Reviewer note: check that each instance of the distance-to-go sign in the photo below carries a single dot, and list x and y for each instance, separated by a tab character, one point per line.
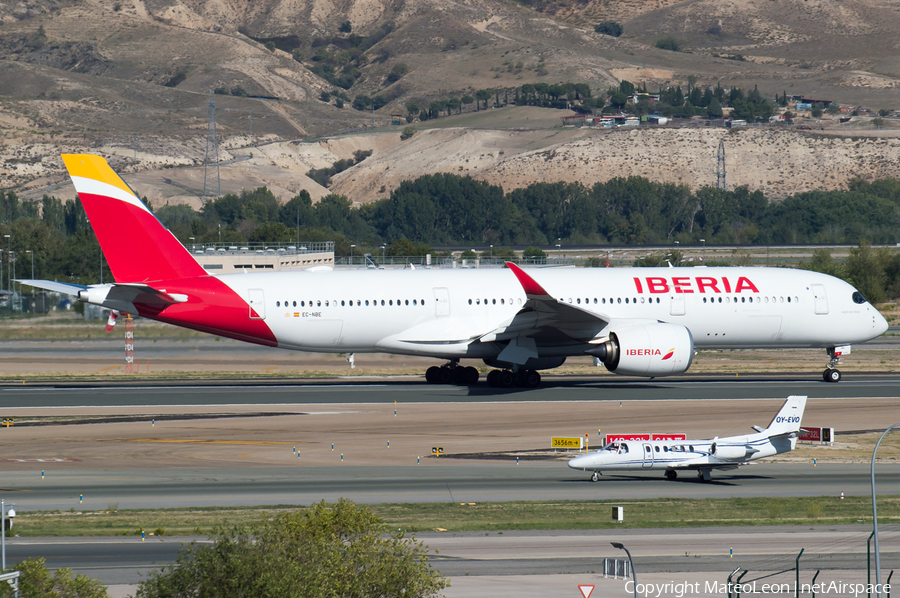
563	442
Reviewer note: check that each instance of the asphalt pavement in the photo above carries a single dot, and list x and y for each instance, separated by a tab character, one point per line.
355	391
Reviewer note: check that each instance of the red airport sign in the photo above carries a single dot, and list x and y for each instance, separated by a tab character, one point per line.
619	437
641	437
810	435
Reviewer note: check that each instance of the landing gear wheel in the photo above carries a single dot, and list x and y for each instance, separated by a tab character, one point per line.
531	379
595	476
506	379
671	474
471	376
433	374
446	375
493	378
459	376
831	375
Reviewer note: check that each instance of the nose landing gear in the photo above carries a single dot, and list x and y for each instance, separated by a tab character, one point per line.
831	373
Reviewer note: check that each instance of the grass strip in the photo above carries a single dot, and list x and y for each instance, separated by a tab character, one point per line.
488	516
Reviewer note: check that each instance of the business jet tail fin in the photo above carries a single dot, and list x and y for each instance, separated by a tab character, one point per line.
789	417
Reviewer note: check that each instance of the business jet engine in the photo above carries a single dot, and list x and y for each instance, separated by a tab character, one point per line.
652	350
731	452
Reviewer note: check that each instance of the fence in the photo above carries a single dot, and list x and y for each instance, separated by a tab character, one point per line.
616	568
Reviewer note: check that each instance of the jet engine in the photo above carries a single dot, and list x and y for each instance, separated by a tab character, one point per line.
731	453
652	350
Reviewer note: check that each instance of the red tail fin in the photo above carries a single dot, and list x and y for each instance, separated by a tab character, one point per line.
137	246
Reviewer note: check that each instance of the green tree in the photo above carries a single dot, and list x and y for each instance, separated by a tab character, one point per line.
345	27
483	95
466	100
36	581
398	72
534	253
816	111
865	270
328	550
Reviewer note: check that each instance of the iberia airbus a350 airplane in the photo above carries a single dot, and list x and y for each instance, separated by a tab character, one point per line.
635	321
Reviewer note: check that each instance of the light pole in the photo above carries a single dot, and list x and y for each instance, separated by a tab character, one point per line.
558	251
878	587
351	254
621	546
32	262
704	248
492	254
192	243
383	254
5	511
220	233
8	267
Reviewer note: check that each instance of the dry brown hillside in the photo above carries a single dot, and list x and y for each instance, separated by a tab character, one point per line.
131	78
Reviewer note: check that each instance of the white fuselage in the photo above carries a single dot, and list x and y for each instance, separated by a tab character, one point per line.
442	312
628	455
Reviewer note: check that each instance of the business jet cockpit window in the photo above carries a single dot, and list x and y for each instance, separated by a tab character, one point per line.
616	447
858	298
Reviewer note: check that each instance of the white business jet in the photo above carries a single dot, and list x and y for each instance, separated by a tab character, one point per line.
701	456
634	321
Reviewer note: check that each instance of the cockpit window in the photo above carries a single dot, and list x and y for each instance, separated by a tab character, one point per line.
858	298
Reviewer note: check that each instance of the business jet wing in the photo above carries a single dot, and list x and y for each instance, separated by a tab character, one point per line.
546	318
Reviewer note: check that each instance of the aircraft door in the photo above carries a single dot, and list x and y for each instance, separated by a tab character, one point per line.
820	299
676	306
648	455
442	302
257	301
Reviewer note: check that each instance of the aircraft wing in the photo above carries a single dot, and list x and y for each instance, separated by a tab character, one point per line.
546	319
52	285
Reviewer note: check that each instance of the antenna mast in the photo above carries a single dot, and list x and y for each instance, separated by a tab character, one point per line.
212	151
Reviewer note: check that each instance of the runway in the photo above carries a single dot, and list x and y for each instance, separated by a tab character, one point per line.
449	482
388	390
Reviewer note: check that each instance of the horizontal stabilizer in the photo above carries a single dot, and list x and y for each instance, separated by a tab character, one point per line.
52	285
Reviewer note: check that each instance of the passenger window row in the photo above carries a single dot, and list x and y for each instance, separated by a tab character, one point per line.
350	302
752	300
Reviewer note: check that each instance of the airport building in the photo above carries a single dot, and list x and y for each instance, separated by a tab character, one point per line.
223	258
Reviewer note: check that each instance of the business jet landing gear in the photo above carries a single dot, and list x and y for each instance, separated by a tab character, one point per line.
508	378
831	373
595	476
703	474
671	474
451	374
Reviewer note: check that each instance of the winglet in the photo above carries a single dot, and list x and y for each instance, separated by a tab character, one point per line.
530	285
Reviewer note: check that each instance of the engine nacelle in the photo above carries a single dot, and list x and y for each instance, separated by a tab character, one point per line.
533	363
731	453
647	350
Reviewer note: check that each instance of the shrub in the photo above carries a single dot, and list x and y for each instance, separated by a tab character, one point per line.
609	28
668	43
407	133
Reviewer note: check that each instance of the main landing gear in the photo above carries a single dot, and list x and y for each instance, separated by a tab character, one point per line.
671	474
508	378
831	373
452	373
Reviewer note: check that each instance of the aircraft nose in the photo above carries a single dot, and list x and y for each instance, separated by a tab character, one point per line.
581	462
881	325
